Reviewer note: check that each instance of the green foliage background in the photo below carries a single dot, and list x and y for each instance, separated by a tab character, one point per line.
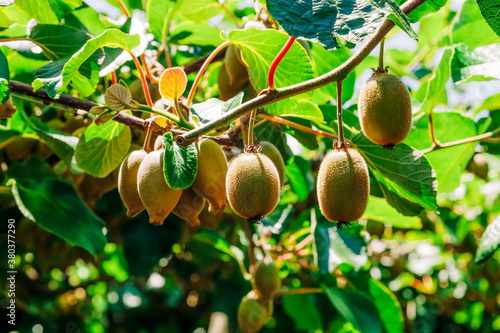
422	258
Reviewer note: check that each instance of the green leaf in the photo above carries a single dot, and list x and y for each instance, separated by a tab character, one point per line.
449	163
204	10
324	62
321	21
117	97
55	206
356	308
57	75
62	144
379	210
402	170
159	14
4	79
214	239
301	308
214	108
490	242
481	64
101	149
336	246
259	48
388	307
298	173
191	33
40	10
58	41
437	82
470	20
490	9
180	164
424	9
306	110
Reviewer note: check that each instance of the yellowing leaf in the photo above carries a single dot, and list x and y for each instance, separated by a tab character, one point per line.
161	121
173	83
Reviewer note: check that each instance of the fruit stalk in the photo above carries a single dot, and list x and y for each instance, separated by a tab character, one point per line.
276	62
342	144
302	128
202	70
381	55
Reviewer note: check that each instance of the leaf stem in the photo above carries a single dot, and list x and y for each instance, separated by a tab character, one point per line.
302	128
181	122
482	137
202	70
143	79
335	75
435	142
148	70
124	8
281	54
114	78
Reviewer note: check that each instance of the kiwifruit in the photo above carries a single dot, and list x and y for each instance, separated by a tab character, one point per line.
385	109
137	92
190	206
18	147
274	154
159	143
226	90
91	189
127	182
479	166
235	67
253	185
253	314
267	280
211	175
343	186
158	198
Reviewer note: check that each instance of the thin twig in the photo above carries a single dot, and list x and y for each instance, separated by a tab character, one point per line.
300	291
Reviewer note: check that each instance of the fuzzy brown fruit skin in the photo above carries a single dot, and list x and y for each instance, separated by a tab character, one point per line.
189	207
343	186
274	154
253	185
267	280
211	175
253	314
158	198
127	182
385	109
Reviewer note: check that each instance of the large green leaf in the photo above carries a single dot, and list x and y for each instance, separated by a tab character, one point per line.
259	48
193	33
379	210
55	206
424	9
388	307
449	163
159	14
481	64
298	173
4	79
204	9
180	163
58	41
490	9
40	10
336	246
402	170
101	149
436	84
302	309
490	242
321	20
214	239
62	144
471	28
58	74
356	308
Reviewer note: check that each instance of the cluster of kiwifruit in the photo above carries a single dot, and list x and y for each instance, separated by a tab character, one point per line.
142	185
257	306
251	183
